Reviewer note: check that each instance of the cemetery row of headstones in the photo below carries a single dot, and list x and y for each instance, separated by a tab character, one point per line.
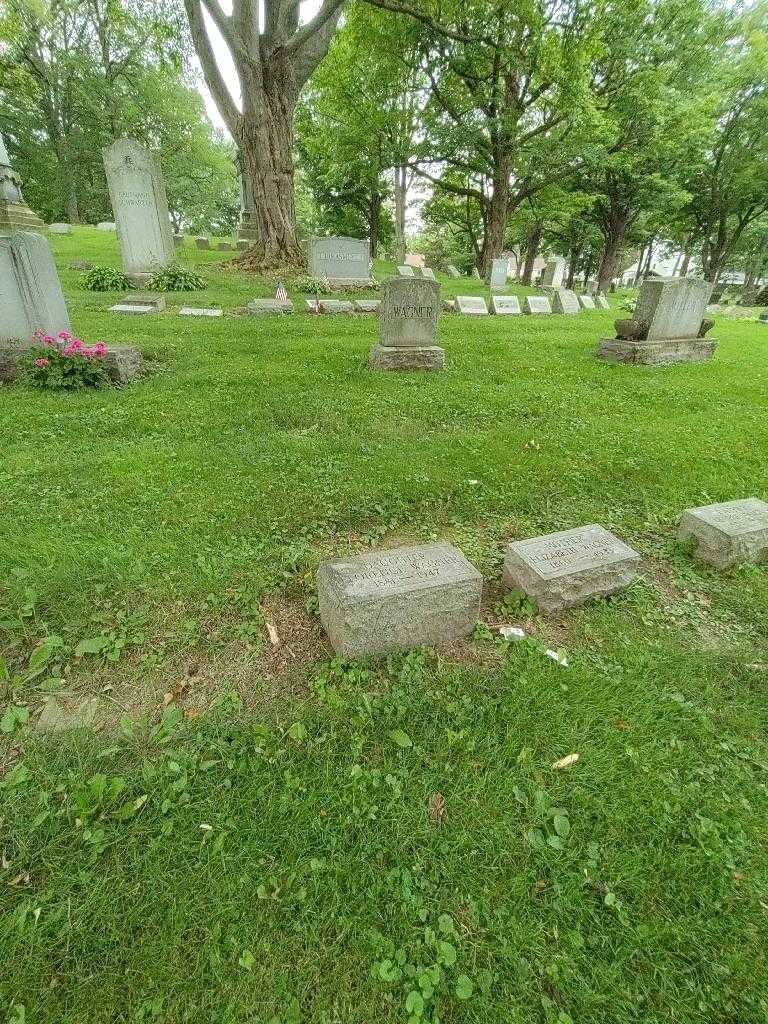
390	600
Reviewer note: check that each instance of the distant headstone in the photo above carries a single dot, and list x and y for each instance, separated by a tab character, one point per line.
565	301
552	276
132	307
199	311
31	298
666	326
141	208
60	229
366	305
156	301
561	570
408	318
763	318
587	302
453	271
405	271
428	273
535	304
471	305
202	242
728	533
270	306
15	215
225	246
334	306
340	259
476	274
505	305
393	600
106	225
499	273
601	301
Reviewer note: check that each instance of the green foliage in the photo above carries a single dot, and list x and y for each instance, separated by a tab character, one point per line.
313	285
175	278
105	279
50	368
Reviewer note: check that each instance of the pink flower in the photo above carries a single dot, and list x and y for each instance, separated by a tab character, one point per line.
99	349
48	339
76	342
65	335
42	362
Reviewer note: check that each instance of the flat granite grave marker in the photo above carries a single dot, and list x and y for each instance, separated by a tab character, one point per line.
157	302
199	311
335	306
505	305
667	325
140	206
132	307
587	302
729	532
405	271
366	305
408	318
499	273
565	301
106	225
565	569
393	600
535	304
471	305
270	306
428	273
340	258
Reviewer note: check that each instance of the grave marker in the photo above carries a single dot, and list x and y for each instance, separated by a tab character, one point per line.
106	225
202	242
199	311
428	273
275	306
405	271
505	305
471	305
334	306
499	273
728	533
565	301
340	258
565	569
587	302
453	271
15	215
31	298
552	275
60	229
408	318
601	301
393	600
366	305
535	304
141	208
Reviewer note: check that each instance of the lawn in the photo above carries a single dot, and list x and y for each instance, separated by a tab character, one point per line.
257	832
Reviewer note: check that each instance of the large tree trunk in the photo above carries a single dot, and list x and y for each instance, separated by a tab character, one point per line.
532	251
496	224
574	256
615	233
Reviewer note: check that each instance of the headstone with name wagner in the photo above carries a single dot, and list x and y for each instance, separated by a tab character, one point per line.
667	325
340	259
505	305
553	273
392	600
535	304
499	272
140	206
728	533
471	305
565	301
565	569
408	319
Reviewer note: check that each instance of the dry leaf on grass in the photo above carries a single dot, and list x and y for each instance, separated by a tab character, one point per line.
274	636
567	761
436	808
175	692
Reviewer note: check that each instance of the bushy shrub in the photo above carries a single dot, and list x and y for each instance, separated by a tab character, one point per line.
175	279
64	362
105	279
313	285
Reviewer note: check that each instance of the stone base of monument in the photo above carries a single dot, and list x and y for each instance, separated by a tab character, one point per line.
19	217
392	600
138	280
565	569
658	351
392	357
728	533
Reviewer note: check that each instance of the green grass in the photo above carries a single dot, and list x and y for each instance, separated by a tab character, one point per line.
170	521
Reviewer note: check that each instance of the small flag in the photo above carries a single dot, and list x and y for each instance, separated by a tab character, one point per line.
281	294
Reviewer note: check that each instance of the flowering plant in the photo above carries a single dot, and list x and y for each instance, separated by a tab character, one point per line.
64	362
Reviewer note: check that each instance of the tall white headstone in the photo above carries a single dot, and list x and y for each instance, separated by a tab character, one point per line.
553	273
141	208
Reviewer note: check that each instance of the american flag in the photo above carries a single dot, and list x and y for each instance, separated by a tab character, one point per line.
282	292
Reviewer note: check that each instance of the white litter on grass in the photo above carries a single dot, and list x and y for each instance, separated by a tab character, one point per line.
558	657
207	828
512	632
567	761
473	483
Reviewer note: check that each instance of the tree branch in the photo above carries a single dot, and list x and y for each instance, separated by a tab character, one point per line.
211	73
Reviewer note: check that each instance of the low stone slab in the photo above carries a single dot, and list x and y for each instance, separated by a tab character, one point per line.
366	305
202	242
397	357
429	273
405	271
565	569
657	352
601	301
124	363
335	306
729	532
199	311
536	304
270	306
60	229
564	301
132	307
386	601
587	302
157	302
106	225
505	305
471	305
